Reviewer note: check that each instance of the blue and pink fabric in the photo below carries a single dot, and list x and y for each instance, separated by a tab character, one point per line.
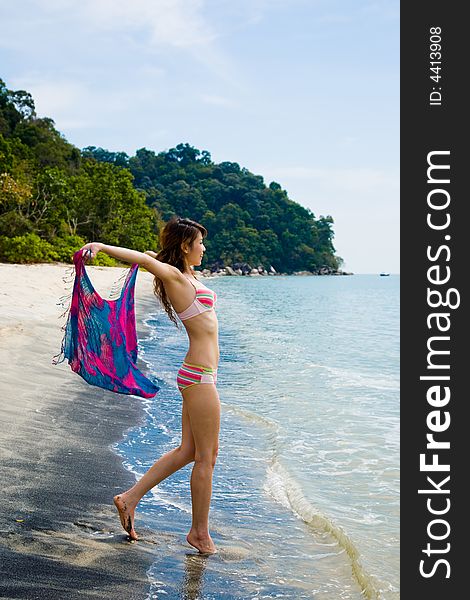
100	340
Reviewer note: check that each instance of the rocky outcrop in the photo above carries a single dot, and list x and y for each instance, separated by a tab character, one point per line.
244	269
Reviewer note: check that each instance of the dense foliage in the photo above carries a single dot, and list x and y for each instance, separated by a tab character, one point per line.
54	198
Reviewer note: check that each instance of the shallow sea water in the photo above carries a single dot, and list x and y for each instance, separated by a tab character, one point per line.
305	500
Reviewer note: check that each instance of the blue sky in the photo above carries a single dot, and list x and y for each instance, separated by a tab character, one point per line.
302	92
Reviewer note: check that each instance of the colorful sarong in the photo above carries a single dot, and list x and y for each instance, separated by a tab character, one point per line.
100	340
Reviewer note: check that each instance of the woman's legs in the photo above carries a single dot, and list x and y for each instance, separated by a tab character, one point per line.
203	406
166	465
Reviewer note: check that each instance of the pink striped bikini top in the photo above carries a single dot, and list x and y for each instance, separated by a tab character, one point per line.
204	300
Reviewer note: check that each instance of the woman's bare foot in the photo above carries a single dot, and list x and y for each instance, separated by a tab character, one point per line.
126	514
204	544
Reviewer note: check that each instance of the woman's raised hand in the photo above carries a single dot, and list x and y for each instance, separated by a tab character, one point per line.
89	251
151	253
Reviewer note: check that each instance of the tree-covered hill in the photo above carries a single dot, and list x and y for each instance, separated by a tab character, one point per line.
54	198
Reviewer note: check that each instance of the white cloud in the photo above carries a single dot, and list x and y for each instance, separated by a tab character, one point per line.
77	105
170	22
55	97
104	28
124	74
256	10
178	23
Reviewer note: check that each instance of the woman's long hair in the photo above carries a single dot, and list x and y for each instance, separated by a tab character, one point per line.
176	232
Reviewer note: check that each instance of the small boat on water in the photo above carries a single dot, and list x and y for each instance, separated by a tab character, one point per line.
384	274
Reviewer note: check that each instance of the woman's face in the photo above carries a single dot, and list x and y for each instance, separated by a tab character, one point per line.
196	252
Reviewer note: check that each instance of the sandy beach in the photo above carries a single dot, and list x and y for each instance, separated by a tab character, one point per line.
283	525
61	536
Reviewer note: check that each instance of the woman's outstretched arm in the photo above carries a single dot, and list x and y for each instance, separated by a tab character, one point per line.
156	267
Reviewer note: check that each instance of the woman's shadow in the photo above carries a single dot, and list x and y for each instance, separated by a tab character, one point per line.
193	582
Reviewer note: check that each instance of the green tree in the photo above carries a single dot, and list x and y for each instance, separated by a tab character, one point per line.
53	197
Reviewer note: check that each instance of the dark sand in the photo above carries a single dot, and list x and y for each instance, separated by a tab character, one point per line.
61	534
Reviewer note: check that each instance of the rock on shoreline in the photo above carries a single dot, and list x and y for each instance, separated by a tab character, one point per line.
244	269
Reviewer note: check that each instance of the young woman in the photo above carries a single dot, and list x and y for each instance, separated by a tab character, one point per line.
180	292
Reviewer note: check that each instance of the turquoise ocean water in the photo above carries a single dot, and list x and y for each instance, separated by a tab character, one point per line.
305	500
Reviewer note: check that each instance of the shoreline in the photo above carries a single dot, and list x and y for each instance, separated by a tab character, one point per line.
61	534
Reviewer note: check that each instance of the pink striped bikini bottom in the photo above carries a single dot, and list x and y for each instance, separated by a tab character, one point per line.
191	374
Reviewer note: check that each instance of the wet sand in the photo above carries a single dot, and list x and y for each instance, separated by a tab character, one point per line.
60	533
